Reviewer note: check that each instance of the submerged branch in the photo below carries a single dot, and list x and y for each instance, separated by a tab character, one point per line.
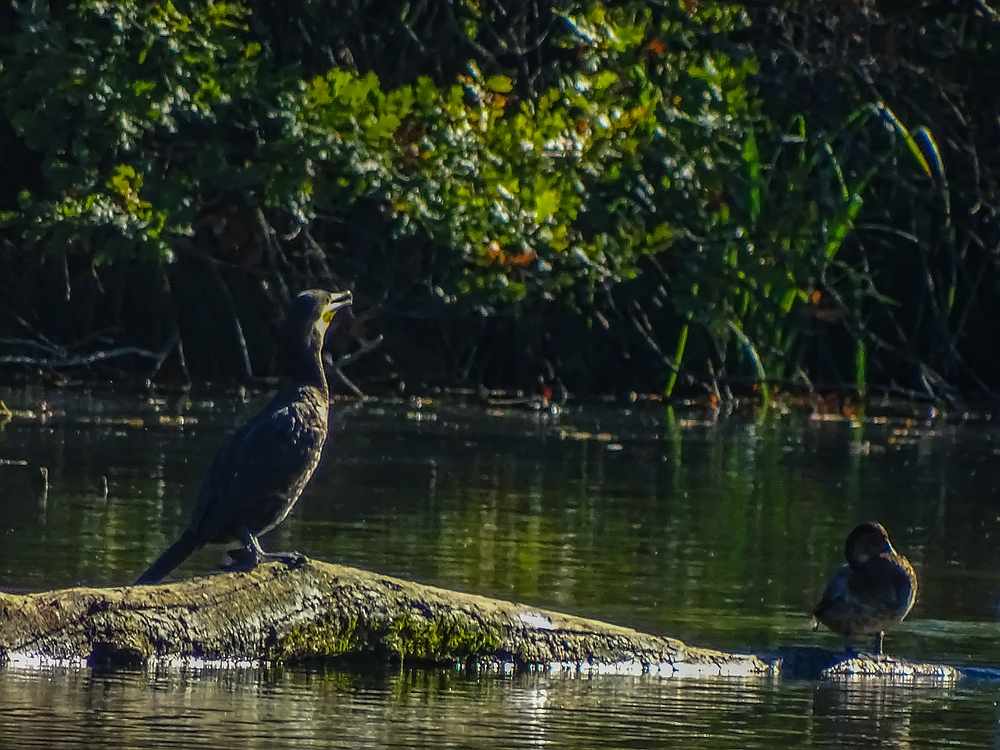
323	611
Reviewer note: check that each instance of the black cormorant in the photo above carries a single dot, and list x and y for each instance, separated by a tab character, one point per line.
255	479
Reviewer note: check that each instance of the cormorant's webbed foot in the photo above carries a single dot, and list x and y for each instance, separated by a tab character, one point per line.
291	559
251	555
243	559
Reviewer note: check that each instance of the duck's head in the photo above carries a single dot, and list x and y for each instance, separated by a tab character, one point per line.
866	541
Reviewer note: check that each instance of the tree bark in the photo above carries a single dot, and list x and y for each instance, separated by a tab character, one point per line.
319	611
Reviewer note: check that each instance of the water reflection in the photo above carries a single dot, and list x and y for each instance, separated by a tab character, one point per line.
264	709
871	710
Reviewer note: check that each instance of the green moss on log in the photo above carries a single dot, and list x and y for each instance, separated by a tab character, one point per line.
449	638
323	637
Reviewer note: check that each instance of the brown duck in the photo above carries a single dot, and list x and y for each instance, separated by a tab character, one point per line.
873	592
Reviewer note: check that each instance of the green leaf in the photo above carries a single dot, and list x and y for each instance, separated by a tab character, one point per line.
604	79
546	204
500	84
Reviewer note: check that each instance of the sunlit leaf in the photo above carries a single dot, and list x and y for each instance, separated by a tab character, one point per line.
500	83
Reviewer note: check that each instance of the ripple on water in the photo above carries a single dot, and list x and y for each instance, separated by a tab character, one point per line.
419	709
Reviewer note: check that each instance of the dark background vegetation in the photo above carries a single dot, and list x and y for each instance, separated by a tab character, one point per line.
691	197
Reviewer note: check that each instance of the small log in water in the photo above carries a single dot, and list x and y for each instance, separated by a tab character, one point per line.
323	611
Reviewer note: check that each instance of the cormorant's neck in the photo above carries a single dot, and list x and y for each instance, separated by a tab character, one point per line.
306	366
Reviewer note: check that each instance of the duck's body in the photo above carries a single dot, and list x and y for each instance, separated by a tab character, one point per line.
873	592
256	478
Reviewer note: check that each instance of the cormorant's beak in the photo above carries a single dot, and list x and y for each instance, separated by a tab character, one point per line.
337	301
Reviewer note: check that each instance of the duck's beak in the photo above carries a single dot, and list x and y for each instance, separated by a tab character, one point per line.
337	301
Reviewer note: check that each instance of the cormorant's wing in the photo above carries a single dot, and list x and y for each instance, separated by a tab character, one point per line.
261	471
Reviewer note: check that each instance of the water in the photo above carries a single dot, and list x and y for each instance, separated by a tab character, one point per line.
721	533
445	710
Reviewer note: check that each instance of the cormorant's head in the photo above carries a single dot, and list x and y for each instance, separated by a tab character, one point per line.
866	541
313	310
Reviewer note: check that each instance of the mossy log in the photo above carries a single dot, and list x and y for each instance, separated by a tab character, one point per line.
319	611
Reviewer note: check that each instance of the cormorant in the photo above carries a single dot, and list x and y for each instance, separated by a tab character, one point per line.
873	592
255	479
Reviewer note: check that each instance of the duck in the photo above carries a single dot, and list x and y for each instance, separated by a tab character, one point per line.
873	592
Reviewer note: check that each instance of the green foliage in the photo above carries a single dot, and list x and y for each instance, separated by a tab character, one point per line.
559	195
629	172
919	273
113	96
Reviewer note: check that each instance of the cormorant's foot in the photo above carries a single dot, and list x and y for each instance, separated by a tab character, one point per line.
247	558
291	559
243	559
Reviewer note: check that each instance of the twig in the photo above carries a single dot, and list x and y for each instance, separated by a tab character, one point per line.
39	336
248	368
31	343
365	348
645	329
176	338
278	260
317	250
173	341
347	381
77	361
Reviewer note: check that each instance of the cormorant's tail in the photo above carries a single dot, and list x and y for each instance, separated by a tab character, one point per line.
175	554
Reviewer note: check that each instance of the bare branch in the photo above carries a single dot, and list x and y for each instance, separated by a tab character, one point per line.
55	363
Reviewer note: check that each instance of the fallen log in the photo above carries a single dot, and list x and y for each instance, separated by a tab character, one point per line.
319	611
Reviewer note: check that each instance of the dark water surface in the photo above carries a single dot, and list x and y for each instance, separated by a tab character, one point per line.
720	532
